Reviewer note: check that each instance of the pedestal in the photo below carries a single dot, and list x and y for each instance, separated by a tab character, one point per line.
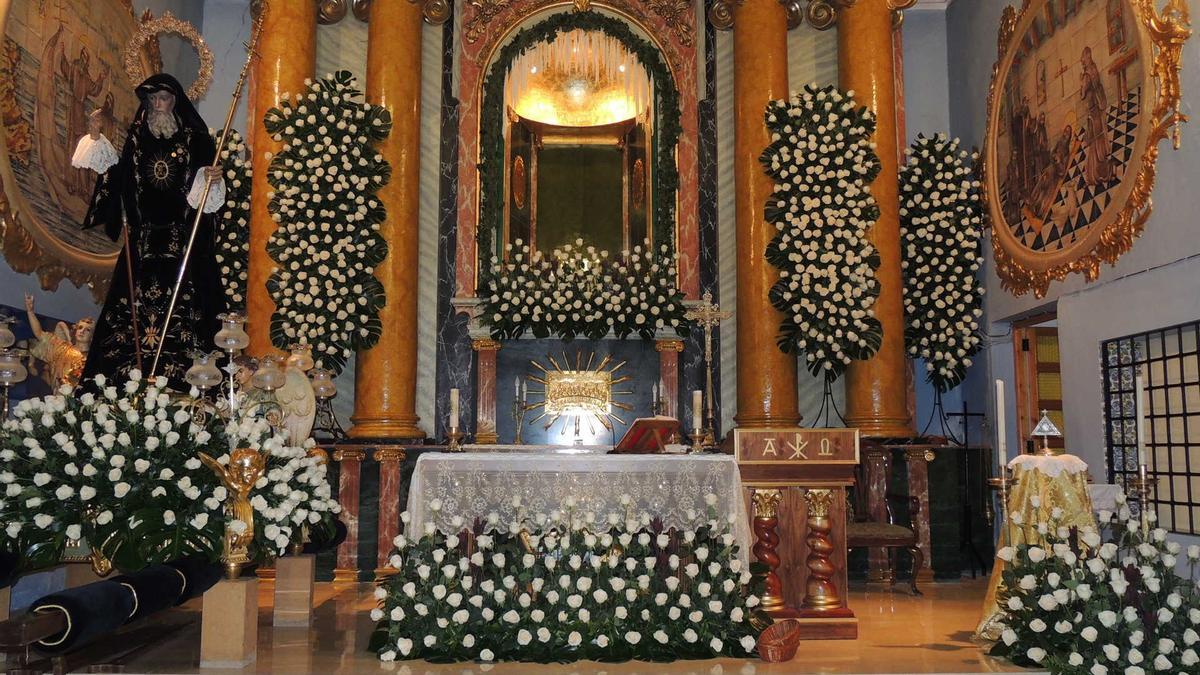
918	460
389	507
294	577
349	475
229	624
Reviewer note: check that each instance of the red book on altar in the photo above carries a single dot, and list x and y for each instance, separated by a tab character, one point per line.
648	435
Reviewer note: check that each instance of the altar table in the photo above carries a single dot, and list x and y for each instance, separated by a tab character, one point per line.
473	485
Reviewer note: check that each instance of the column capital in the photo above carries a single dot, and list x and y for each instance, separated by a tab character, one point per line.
766	502
820	14
485	345
390	454
348	455
668	345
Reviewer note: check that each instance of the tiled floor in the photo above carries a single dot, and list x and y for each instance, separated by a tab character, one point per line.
899	633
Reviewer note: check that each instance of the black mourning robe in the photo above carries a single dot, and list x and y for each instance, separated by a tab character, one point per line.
150	184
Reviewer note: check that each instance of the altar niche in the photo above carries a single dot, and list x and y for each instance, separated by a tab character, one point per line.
577	134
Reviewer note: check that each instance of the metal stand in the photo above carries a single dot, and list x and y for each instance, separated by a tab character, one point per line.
939	414
326	422
823	420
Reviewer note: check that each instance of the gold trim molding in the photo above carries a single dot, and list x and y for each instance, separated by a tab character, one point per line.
1022	270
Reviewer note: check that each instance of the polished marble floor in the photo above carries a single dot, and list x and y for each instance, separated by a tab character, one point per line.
899	633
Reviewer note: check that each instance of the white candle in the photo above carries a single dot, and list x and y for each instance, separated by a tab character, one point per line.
654	396
453	410
697	407
517	387
1140	387
1001	431
524	392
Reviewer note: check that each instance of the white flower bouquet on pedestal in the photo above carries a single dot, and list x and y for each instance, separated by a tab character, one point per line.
327	244
823	160
941	221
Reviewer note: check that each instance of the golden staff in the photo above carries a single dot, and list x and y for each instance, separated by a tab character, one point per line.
251	46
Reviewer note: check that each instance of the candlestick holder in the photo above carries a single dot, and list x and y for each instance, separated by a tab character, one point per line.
1004	483
697	442
709	439
1142	487
454	440
518	415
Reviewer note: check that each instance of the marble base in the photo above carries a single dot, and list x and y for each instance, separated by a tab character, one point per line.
229	624
294	578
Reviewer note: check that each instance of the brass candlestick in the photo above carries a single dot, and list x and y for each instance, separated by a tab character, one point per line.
454	438
518	415
1141	487
1003	483
697	442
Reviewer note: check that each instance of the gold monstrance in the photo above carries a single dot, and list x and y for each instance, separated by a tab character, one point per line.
578	395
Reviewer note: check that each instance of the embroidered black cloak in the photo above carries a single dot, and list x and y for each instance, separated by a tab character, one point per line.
150	184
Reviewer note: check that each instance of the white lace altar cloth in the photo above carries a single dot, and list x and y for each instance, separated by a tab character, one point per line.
472	485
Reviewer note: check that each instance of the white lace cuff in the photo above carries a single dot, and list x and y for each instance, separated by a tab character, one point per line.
216	194
96	154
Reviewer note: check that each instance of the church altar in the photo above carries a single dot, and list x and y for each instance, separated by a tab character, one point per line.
670	487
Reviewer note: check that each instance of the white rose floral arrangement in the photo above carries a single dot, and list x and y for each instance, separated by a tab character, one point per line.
823	161
941	223
567	586
1098	603
327	243
119	468
232	231
579	291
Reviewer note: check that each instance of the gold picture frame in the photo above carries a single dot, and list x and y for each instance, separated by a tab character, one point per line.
51	52
1068	177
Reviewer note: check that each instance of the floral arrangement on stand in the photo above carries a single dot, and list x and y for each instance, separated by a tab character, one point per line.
823	160
567	586
328	243
233	221
1082	605
119	468
941	225
579	291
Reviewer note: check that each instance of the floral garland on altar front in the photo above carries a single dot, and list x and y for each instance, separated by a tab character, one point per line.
567	586
491	133
941	222
823	161
328	243
233	221
578	291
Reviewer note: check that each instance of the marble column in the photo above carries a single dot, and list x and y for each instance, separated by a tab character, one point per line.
877	389
879	478
389	459
486	349
918	460
766	376
287	56
349	479
385	382
668	375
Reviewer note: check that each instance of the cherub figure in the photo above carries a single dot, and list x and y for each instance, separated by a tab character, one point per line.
245	467
62	352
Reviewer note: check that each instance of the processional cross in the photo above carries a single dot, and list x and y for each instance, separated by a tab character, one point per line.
709	315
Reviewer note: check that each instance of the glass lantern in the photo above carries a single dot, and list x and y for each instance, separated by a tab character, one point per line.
7	339
12	371
322	383
204	373
232	337
301	358
269	375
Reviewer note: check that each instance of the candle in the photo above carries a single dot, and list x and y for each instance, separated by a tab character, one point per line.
1001	431
524	392
1140	387
697	406
1142	473
453	410
517	387
654	397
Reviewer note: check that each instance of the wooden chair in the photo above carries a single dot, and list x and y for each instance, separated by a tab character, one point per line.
863	532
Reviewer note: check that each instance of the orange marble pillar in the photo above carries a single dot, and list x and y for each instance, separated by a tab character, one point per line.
287	56
385	378
766	376
877	389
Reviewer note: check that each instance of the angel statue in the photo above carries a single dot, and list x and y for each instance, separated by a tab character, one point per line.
296	396
62	352
245	467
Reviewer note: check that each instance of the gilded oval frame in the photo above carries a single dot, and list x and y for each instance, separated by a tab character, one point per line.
29	244
1022	269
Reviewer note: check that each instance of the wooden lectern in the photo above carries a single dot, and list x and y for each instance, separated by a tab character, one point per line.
797	481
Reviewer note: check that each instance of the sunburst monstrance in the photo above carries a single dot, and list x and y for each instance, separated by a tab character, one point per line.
578	396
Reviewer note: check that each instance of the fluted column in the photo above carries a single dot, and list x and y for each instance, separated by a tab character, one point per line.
766	376
876	390
385	383
287	56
